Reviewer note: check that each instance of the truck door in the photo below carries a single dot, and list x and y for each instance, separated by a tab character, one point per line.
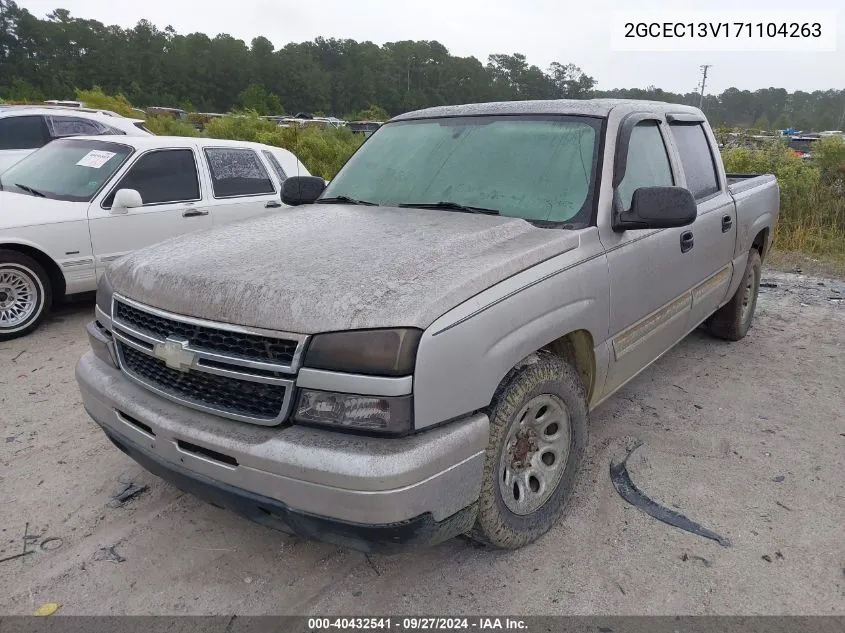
714	229
651	270
169	185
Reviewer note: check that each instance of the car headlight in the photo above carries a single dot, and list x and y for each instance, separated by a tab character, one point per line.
387	352
388	415
104	296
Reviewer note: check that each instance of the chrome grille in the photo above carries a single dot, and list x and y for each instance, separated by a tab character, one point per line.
225	395
235	372
227	342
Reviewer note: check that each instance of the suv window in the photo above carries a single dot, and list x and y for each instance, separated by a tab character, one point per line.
648	162
22	132
73	126
168	175
237	172
697	159
274	163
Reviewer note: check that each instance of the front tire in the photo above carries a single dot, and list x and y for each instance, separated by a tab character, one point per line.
733	320
25	294
538	433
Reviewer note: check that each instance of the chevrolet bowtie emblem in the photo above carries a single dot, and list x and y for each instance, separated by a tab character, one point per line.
173	351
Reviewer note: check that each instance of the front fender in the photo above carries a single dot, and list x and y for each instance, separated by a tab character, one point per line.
465	354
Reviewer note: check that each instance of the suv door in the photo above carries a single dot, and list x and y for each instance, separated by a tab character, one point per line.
651	270
715	226
20	136
169	184
240	184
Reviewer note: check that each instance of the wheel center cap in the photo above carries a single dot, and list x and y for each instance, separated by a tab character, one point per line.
4	297
523	451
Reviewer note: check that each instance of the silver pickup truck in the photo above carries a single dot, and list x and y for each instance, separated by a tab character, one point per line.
412	352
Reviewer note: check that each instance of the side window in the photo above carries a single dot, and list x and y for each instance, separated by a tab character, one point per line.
274	163
237	172
22	132
72	126
108	129
648	163
162	176
697	159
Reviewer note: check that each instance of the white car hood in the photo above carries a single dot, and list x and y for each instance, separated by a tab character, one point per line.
21	209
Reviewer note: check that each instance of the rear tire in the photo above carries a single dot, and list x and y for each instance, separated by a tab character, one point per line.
538	433
25	294
733	320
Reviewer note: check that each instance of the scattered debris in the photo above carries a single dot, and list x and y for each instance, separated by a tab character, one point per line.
703	560
778	555
768	284
778	479
785	507
633	495
621	589
766	558
126	492
372	564
51	543
47	609
108	554
681	388
14	556
15	359
248	580
698	406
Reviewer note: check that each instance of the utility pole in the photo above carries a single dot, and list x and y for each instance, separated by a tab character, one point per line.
704	69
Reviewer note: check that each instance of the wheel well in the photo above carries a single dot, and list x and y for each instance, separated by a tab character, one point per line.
576	348
761	242
57	279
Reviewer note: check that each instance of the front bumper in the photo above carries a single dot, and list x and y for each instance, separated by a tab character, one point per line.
367	493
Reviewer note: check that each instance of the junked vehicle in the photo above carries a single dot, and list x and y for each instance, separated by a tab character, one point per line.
77	204
23	129
412	353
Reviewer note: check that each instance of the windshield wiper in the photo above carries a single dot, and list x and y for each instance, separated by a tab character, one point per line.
28	189
344	200
451	206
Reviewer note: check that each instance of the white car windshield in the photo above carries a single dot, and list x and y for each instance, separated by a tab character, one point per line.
539	168
67	169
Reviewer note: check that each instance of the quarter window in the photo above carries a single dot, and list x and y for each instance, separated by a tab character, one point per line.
237	172
648	163
22	132
162	176
72	126
275	165
696	158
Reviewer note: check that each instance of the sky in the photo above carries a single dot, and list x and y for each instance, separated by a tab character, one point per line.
543	30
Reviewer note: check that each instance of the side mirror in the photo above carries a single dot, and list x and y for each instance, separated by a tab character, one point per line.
657	208
126	199
302	190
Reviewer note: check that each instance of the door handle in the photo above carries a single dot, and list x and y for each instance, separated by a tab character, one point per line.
727	223
273	204
687	241
193	213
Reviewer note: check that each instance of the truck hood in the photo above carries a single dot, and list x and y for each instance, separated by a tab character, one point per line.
322	268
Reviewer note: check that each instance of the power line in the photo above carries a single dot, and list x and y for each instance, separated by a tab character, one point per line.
704	69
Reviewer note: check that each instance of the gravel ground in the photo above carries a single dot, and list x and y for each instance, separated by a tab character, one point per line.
745	438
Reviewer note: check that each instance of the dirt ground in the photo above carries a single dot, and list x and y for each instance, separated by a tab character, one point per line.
746	438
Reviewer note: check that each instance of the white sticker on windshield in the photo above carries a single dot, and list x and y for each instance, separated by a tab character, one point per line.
95	158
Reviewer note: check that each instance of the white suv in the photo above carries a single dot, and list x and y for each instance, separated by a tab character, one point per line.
23	129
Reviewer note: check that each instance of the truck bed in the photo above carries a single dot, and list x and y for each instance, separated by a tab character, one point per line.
738	183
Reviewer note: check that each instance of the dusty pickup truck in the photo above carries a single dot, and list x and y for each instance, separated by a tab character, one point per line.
412	352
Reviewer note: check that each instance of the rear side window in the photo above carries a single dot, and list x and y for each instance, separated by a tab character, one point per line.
72	126
275	165
237	172
162	176
696	158
648	163
22	132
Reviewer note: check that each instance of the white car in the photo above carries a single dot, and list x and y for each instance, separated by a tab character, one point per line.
23	129
76	204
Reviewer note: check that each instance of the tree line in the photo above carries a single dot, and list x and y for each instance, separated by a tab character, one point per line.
50	58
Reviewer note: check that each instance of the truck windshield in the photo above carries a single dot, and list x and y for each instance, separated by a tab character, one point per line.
68	169
541	169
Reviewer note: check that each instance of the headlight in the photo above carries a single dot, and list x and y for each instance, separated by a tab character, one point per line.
104	295
388	352
365	413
